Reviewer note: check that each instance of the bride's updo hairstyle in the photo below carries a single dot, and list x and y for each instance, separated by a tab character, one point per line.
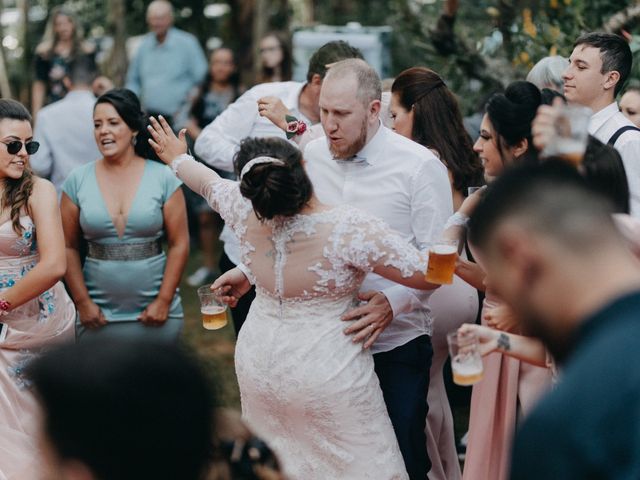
275	188
511	114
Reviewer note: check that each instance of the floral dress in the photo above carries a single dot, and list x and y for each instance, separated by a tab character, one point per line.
41	322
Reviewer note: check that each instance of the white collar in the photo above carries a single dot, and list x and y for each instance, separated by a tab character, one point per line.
600	118
375	145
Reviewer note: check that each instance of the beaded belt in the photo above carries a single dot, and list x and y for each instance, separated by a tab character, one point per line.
124	251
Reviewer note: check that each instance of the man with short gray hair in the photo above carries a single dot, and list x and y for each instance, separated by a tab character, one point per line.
167	65
366	165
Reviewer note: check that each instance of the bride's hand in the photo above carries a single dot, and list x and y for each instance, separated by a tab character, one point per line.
165	143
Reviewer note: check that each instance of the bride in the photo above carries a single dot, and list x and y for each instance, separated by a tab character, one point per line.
306	387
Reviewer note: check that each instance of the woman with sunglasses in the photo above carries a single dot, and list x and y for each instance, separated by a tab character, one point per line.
35	310
122	206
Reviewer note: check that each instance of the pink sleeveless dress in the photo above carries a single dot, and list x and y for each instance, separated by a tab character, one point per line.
507	392
42	321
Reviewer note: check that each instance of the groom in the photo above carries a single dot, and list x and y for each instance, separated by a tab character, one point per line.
364	164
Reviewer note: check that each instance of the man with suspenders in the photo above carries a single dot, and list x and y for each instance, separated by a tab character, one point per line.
598	69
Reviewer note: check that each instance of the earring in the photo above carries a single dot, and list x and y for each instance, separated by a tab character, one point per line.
134	140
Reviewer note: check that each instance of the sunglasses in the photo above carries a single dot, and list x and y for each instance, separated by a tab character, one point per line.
15	146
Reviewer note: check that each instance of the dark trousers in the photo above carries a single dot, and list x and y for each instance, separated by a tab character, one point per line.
239	313
404	378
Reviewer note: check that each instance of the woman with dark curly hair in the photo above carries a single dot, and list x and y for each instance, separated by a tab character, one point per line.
35	310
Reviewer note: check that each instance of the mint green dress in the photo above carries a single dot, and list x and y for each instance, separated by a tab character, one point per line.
122	289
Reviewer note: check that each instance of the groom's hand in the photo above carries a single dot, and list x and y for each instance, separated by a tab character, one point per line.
371	319
231	286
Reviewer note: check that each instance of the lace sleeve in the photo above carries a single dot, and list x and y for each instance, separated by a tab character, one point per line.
222	195
368	243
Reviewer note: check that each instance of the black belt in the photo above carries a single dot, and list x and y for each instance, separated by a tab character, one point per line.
124	251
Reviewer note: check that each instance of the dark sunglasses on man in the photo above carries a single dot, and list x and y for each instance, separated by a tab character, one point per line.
16	145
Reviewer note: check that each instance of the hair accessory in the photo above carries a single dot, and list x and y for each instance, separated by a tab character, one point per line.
440	82
257	161
4	307
294	126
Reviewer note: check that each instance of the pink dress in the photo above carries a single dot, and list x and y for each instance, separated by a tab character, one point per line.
451	306
507	392
40	322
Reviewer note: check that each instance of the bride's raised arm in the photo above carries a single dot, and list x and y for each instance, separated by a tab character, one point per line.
172	150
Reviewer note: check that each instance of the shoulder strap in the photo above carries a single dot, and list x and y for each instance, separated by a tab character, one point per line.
614	138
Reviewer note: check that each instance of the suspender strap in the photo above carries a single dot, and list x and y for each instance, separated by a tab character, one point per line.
612	141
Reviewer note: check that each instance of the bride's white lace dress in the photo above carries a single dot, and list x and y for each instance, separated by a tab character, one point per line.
306	388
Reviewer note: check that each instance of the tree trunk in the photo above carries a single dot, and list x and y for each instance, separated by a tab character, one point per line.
240	36
303	12
260	28
116	65
5	86
25	61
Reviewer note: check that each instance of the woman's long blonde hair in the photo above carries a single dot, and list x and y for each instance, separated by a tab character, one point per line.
50	38
16	191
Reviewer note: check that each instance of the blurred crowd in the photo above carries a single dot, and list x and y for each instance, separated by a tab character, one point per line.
330	196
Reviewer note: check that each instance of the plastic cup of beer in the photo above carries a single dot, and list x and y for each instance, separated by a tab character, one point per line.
570	134
466	361
214	312
442	262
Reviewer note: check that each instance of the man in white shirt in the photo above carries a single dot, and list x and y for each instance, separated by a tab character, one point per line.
364	164
220	140
65	128
598	69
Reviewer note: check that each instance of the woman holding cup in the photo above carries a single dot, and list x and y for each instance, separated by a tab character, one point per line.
426	111
509	388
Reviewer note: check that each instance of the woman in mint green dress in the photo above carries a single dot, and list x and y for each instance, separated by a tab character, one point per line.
122	205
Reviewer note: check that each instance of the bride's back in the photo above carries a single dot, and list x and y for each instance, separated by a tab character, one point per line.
309	254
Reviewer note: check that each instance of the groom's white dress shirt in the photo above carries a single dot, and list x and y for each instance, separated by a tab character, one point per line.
219	141
405	185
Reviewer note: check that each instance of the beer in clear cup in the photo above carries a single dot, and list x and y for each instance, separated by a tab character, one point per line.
466	361
214	312
442	262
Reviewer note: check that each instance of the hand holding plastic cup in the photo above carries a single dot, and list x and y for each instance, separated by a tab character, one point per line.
569	135
442	262
214	312
466	361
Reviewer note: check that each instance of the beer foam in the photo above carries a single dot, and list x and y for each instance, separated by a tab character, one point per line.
467	368
212	309
444	249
